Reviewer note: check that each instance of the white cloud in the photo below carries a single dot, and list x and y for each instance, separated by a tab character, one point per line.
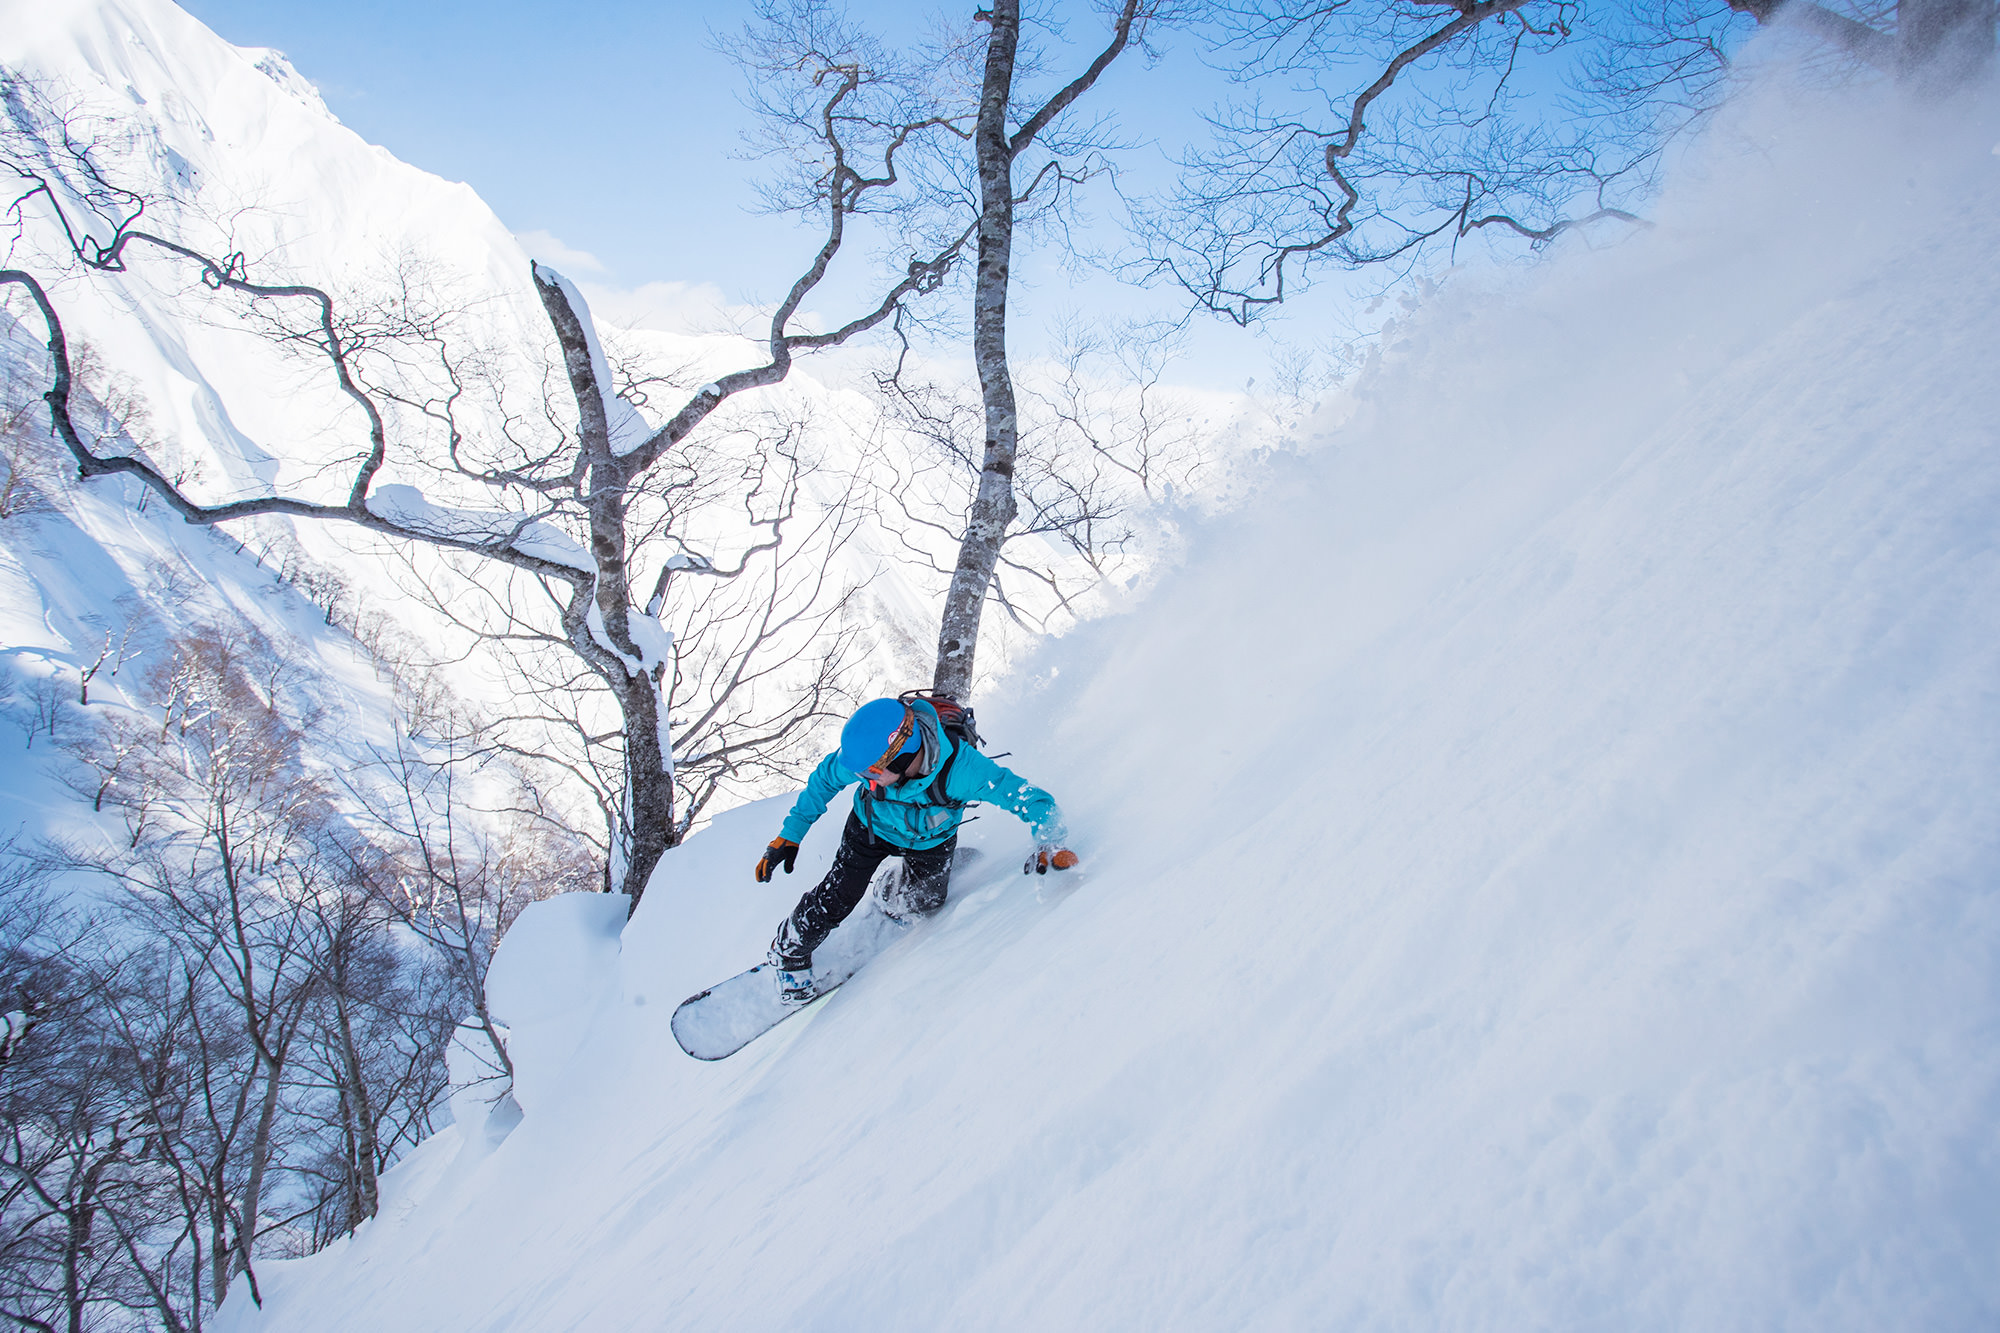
549	249
674	307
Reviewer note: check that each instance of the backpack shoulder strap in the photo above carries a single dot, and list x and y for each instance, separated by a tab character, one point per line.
936	793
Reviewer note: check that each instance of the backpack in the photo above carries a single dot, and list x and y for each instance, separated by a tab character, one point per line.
956	721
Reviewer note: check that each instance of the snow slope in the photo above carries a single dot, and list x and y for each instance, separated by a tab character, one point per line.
1541	870
98	575
255	163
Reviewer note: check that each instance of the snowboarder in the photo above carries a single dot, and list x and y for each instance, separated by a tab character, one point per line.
919	780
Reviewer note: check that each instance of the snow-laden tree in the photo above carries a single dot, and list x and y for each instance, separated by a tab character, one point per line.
564	498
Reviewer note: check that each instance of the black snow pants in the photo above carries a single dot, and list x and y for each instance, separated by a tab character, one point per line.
926	879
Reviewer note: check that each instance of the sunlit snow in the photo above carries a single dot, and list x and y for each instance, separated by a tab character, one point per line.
1540	863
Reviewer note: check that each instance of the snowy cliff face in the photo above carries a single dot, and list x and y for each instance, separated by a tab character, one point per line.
1541	868
243	143
239	140
236	141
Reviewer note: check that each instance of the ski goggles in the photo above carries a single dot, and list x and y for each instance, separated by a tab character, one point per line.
894	766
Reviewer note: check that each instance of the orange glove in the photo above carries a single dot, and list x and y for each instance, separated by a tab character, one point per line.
782	851
1062	858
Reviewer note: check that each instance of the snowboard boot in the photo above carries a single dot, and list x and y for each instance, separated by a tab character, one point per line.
794	969
904	898
795	985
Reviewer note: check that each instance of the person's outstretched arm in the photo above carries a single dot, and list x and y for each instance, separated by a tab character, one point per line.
974	777
825	783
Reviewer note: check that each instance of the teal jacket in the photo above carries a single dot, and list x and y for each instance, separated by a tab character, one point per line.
905	815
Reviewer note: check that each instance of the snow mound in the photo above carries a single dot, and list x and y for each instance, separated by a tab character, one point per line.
1540	869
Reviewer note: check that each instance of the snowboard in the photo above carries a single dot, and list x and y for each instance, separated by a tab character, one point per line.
731	1014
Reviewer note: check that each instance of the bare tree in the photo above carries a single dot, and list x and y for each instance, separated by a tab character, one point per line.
1002	135
1103	444
43	704
29	470
1108	402
229	863
285	1050
31	460
1025	159
453	871
552	499
54	1144
1374	133
274	1048
163	1012
372	1072
762	643
121	645
92	1233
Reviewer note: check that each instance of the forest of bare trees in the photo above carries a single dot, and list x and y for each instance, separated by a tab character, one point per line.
227	1007
223	1026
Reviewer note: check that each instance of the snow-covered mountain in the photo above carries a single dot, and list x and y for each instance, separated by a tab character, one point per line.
247	144
1540	869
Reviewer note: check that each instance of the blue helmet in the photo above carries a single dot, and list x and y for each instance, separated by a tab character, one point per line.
880	730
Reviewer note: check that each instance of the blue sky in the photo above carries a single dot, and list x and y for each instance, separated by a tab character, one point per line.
606	124
610	126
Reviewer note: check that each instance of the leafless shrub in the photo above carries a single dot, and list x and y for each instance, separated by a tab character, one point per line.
297	1049
41	702
1105	446
30	464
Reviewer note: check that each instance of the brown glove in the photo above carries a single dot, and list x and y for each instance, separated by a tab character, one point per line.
782	851
1062	858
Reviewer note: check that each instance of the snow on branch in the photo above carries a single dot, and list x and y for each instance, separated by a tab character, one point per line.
488	529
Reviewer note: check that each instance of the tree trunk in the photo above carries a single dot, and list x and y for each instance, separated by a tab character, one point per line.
76	1241
253	1186
1946	44
616	657
649	778
993	503
361	1112
220	1248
